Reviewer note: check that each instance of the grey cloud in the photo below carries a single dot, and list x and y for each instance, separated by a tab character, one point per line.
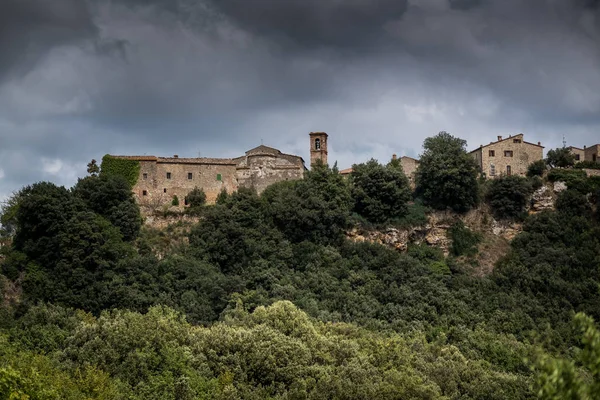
29	28
316	23
216	76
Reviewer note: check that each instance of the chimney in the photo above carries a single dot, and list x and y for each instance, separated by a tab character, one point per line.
175	156
539	143
584	146
499	138
394	157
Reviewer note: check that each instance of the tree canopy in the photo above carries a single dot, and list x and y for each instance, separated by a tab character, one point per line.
447	175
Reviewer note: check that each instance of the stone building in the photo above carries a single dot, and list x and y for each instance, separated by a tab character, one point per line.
318	147
263	166
163	178
507	156
409	165
588	153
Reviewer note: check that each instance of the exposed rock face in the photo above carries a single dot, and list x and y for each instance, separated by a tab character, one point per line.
506	230
542	199
559	187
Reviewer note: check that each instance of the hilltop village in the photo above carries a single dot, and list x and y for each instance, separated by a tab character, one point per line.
163	178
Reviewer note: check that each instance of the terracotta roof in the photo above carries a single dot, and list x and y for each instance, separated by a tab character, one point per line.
137	158
263	149
178	160
200	160
508	138
416	159
346	171
573	147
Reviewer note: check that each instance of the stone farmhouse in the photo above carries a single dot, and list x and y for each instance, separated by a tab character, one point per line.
507	156
409	165
588	153
162	178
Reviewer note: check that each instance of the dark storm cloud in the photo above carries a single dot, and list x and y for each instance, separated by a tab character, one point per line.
29	28
79	79
316	23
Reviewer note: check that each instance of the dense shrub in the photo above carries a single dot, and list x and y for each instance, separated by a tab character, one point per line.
196	198
380	193
447	175
560	158
587	165
536	168
464	240
508	196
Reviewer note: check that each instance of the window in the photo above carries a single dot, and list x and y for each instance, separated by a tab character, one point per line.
508	153
317	144
165	190
492	170
185	200
145	176
594	157
508	170
492	153
190	176
168	175
516	140
144	193
219	177
577	157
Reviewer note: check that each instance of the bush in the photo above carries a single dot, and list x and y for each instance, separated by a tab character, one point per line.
560	158
464	241
175	201
380	192
573	203
587	165
508	196
536	168
196	198
574	179
447	175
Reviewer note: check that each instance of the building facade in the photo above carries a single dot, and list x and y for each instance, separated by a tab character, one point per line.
161	179
263	166
318	147
588	153
507	156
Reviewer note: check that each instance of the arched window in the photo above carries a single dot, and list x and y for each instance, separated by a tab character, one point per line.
317	144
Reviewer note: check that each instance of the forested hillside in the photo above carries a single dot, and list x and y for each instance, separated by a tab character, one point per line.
265	297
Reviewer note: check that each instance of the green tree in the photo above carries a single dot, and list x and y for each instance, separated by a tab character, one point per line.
560	158
111	197
508	196
92	168
316	208
196	198
447	175
536	168
559	379
380	193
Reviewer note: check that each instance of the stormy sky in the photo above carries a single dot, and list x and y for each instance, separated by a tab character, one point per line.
214	78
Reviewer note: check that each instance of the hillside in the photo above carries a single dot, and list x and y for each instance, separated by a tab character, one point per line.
323	288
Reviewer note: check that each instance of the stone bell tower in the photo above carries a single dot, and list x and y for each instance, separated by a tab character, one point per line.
318	147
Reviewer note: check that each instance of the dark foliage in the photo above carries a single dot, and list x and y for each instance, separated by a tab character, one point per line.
464	241
380	193
508	196
196	198
447	175
536	168
560	158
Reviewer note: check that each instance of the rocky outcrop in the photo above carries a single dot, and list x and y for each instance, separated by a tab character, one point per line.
542	199
559	187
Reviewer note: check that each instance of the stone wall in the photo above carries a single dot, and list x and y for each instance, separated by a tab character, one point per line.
592	172
592	153
261	170
156	188
523	154
409	165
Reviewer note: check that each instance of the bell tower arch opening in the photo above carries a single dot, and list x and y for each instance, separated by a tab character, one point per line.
318	147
